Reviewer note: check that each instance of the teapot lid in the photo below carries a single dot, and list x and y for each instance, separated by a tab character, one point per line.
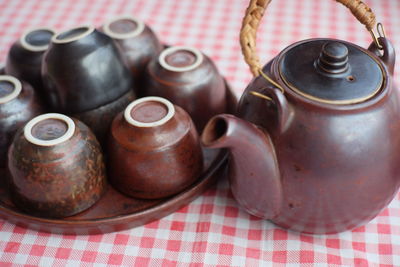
331	71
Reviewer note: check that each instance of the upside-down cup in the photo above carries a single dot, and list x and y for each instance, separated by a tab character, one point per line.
18	104
189	79
154	149
56	167
82	70
86	77
24	60
138	42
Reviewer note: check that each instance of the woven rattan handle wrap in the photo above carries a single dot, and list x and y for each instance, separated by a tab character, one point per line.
255	12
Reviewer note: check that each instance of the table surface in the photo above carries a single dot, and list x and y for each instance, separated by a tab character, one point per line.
212	230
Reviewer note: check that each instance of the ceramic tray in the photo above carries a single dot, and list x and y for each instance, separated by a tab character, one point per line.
115	211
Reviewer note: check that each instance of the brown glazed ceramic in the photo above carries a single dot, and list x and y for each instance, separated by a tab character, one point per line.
99	120
321	168
56	167
316	149
138	42
154	149
83	69
24	59
189	79
18	104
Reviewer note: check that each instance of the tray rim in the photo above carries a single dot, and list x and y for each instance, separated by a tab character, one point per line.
162	209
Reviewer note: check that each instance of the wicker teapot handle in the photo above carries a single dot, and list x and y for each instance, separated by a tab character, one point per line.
255	12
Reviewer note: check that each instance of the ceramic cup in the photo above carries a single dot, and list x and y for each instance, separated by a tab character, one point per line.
18	104
93	83
83	70
189	79
138	42
56	167
24	59
154	149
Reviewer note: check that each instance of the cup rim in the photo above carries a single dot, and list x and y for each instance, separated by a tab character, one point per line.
57	116
89	30
139	29
35	48
172	49
17	88
165	119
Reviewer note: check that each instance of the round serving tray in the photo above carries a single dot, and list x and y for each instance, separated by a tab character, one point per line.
115	211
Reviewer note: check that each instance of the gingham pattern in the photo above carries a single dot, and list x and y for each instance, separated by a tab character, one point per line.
211	230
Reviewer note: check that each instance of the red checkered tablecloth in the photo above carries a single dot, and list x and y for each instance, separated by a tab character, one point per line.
212	230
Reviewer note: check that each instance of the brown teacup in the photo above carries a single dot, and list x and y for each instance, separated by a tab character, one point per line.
189	79
138	42
24	59
154	149
56	167
18	104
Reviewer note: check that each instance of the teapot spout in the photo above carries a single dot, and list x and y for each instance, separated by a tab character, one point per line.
253	169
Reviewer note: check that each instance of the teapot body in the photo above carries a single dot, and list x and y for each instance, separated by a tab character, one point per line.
339	164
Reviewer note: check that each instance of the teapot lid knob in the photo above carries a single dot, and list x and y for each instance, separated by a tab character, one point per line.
333	59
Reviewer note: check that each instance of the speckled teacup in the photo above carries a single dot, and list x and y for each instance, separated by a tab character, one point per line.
56	167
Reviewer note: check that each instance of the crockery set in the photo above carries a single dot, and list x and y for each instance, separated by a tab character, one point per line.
119	115
313	143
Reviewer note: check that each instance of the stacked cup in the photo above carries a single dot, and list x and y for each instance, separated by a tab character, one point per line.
84	76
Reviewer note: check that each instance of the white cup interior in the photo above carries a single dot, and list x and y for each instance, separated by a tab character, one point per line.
164	111
162	59
37	39
50	135
71	35
10	88
127	31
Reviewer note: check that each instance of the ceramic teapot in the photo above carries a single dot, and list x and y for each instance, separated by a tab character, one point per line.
315	146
